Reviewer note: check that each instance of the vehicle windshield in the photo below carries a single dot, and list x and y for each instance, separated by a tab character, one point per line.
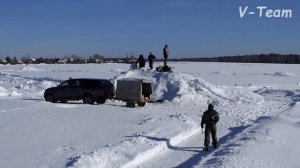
64	84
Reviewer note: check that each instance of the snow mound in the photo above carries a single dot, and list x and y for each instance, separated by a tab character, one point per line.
14	93
3	91
181	87
224	73
284	73
29	69
281	74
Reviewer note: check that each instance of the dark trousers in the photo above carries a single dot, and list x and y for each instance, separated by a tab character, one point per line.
165	60
151	64
210	130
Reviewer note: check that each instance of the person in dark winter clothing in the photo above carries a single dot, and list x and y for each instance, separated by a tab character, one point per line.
210	118
151	57
166	54
141	61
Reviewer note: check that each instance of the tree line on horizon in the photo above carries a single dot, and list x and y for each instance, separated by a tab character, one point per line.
260	58
96	58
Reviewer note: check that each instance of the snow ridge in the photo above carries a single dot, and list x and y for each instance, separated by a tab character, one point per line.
175	88
179	87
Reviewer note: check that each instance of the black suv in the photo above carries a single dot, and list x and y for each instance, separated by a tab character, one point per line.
89	90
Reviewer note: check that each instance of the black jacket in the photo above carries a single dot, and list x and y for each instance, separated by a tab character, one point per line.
210	117
141	62
151	57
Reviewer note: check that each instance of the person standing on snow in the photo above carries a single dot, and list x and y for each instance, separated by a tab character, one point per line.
166	55
210	118
151	57
141	61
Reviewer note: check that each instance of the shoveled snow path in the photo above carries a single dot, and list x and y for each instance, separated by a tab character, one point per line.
190	152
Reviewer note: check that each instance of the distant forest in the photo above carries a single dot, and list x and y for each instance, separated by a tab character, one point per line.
261	58
96	58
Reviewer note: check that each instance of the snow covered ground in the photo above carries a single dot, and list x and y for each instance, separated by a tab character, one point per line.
258	105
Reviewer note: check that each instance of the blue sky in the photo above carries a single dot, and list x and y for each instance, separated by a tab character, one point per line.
114	28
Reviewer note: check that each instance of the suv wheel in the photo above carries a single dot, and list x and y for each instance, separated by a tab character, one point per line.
141	103
88	99
101	100
50	98
130	104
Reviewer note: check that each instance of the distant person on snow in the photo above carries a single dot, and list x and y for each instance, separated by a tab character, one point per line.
166	55
141	61
151	57
210	118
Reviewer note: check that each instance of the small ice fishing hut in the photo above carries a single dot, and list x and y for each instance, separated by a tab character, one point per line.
134	90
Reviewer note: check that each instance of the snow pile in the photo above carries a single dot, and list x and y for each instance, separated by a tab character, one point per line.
174	87
260	112
181	87
3	91
281	74
17	85
7	93
225	73
29	69
284	73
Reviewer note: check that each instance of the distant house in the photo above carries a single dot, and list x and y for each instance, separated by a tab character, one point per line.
109	61
92	60
99	61
129	59
3	61
63	61
19	61
29	60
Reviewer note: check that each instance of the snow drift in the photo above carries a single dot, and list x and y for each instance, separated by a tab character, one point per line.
178	87
173	88
164	134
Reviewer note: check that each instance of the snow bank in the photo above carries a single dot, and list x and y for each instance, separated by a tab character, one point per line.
276	134
29	69
224	73
139	148
181	87
7	93
3	91
280	74
173	87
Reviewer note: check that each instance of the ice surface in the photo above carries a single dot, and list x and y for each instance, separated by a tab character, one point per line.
258	105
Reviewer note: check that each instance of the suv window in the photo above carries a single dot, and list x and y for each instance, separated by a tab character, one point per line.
70	83
90	83
105	83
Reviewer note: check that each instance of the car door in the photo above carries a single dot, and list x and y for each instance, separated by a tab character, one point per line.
63	90
72	91
76	89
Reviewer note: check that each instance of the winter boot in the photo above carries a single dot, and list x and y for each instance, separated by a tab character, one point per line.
215	145
205	148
